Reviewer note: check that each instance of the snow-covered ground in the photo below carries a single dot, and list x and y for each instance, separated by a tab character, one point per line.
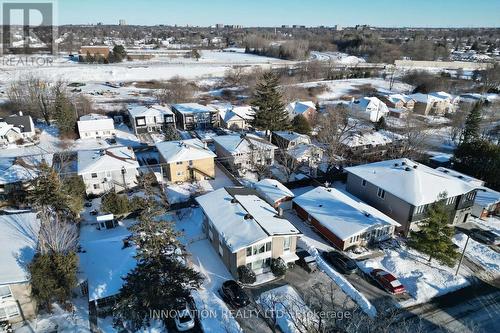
204	259
422	280
486	256
211	63
337	58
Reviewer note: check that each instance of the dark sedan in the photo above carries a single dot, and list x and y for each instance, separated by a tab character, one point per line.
340	261
233	294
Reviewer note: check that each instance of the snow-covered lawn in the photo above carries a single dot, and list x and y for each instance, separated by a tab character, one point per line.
483	254
422	280
288	308
492	223
203	258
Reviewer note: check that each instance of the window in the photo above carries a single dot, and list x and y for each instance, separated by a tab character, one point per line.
96	186
9	311
249	251
268	246
451	201
178	163
94	175
210	234
363	182
5	292
261	248
221	250
287	243
190	163
380	193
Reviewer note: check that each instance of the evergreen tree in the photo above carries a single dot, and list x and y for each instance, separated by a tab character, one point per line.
160	263
171	134
114	203
118	54
434	237
380	124
64	114
52	277
301	125
471	130
195	54
270	111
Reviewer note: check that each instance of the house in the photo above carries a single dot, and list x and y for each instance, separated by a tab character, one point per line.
244	151
404	190
274	193
487	201
9	134
94	51
16	174
192	116
342	219
245	230
106	257
150	118
96	126
373	107
399	101
436	103
19	239
306	154
288	139
22	122
234	117
370	142
108	169
186	160
305	108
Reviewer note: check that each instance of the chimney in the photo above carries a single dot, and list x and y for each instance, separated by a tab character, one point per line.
205	145
248	217
280	211
20	113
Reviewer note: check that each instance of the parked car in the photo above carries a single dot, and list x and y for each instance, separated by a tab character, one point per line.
341	262
306	261
387	281
184	319
233	294
486	237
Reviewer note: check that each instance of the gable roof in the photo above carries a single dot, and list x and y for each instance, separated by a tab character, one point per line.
6	128
292	136
95	122
19	239
415	183
23	122
243	218
187	108
155	110
272	190
22	168
342	214
300	107
184	150
241	143
110	159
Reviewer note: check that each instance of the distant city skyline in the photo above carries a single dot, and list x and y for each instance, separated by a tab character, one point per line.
270	13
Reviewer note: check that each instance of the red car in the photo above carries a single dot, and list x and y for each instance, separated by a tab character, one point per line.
387	281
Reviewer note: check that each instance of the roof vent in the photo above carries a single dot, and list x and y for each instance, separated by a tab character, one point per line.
248	217
396	164
408	169
320	205
403	163
415	166
366	214
233	200
329	189
446	171
460	176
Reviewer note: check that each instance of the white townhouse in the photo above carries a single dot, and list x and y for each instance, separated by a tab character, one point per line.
96	126
108	169
244	151
234	117
372	106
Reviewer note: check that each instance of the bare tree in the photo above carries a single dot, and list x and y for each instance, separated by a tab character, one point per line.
33	95
58	236
176	90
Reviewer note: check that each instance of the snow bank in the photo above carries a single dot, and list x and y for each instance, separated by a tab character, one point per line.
423	281
346	287
481	253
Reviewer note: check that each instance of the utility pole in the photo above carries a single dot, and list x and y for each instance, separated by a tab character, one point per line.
463	253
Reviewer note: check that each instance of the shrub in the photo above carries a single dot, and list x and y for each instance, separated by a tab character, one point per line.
246	275
278	267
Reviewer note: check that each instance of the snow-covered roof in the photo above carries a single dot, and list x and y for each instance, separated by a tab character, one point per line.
105	262
18	239
229	113
156	110
184	150
242	143
395	98
227	214
110	159
342	214
95	122
5	128
366	102
272	190
299	107
485	197
412	182
466	178
292	136
429	98
375	138
303	151
21	169
193	108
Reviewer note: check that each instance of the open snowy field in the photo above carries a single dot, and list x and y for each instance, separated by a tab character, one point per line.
211	63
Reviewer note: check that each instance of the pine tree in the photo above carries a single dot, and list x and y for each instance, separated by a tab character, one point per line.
301	125
171	134
161	280
118	54
64	114
435	234
270	110
114	203
471	130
